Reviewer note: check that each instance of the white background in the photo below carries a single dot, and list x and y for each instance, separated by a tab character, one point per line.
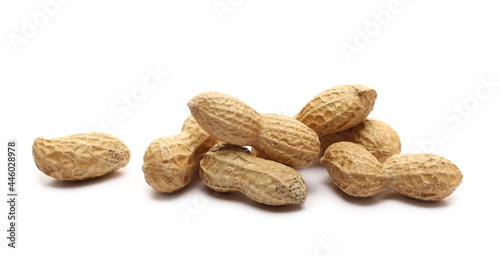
75	70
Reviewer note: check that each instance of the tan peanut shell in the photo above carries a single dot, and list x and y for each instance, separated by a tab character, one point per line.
354	170
376	136
232	168
226	117
425	177
286	140
278	137
171	161
80	156
338	108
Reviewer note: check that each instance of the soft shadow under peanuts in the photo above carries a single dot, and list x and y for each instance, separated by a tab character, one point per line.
415	202
162	196
65	184
311	176
240	198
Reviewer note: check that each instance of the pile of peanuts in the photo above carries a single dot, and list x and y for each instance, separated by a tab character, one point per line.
361	154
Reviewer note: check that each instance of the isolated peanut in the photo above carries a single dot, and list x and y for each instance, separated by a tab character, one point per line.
171	161
376	136
278	137
338	108
80	156
232	168
425	177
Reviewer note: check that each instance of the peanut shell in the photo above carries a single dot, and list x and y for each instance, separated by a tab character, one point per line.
338	108
354	170
228	168
376	136
277	137
425	177
80	156
171	161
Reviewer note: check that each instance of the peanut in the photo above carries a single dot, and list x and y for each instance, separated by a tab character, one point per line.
338	108
80	156
376	136
425	177
355	171
232	168
278	137
171	161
